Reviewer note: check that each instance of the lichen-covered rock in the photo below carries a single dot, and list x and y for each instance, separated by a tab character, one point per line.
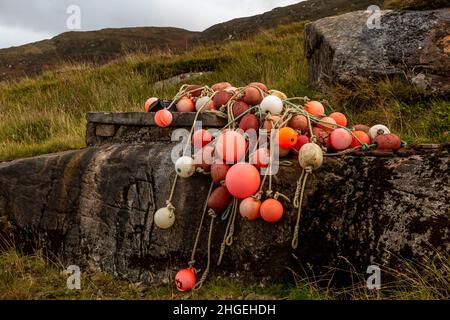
94	208
411	45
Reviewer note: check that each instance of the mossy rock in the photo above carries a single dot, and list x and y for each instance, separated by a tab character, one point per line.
415	4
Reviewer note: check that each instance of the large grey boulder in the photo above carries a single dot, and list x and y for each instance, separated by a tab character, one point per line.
94	208
411	45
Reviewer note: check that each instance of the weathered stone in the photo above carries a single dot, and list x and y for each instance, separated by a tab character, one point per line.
94	207
105	130
410	45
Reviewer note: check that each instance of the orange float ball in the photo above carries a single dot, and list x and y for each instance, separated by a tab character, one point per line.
201	138
163	118
362	136
260	158
271	210
315	108
287	138
185	279
327	126
340	118
249	209
149	103
231	146
185	105
242	180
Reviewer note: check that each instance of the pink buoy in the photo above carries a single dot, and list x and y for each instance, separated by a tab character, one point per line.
185	105
149	103
163	118
340	139
249	209
231	146
242	180
260	158
201	138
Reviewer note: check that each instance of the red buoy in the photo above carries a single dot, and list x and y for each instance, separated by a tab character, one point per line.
204	157
301	141
231	146
299	122
249	208
163	118
221	86
271	210
194	90
260	85
219	199
221	98
323	137
185	279
252	96
219	172
388	142
249	121
242	180
238	108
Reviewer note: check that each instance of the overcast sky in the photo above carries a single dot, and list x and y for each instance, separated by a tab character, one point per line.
24	21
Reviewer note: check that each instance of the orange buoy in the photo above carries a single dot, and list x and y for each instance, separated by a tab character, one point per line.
201	138
204	157
252	96
185	279
340	118
231	146
260	85
315	108
299	122
340	139
238	108
388	141
249	209
271	210
260	158
242	180
194	90
219	199
249	121
327	126
362	136
221	98
149	103
323	137
163	118
301	141
221	86
269	124
219	172
287	138
185	105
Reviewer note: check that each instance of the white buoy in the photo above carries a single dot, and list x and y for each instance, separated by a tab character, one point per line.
203	102
164	218
272	104
378	129
310	156
185	167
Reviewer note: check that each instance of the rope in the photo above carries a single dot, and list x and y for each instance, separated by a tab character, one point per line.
197	238
229	231
199	284
304	176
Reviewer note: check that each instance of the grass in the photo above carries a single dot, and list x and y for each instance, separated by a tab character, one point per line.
34	277
47	113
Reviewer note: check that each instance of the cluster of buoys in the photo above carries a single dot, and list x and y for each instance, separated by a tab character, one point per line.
299	125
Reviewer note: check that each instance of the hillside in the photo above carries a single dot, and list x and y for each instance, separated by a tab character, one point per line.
105	45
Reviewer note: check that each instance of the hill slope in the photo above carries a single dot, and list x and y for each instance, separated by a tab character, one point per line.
108	44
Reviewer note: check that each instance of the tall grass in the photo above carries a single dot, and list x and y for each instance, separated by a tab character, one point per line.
47	113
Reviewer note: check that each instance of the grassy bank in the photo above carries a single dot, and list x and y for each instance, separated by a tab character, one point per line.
47	113
33	277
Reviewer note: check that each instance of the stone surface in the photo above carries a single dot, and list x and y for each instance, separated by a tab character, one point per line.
94	208
411	45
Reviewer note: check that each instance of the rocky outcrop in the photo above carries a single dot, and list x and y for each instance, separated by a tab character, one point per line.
94	208
411	45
